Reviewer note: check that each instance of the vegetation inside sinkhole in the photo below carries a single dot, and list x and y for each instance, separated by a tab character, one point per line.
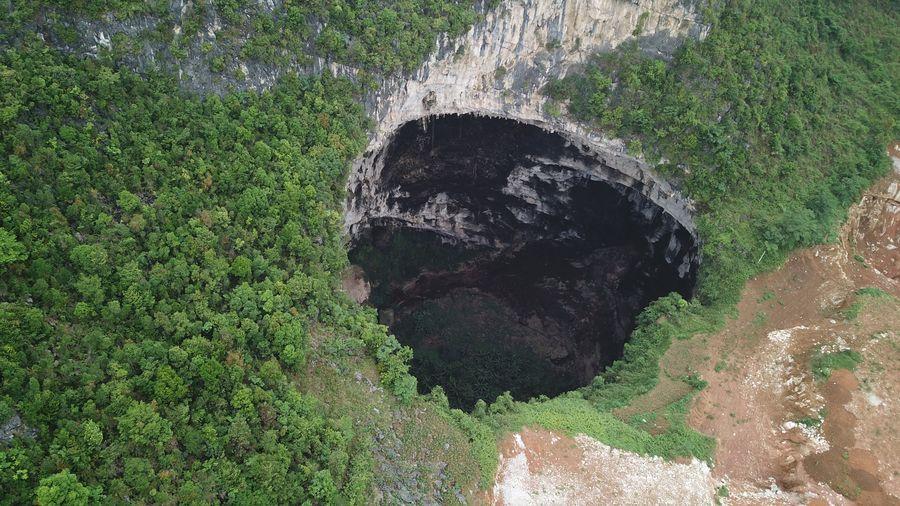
169	262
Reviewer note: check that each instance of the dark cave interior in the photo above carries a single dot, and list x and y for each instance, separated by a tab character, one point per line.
506	267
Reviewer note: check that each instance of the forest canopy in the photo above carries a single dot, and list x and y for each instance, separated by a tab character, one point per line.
166	261
773	124
380	36
169	262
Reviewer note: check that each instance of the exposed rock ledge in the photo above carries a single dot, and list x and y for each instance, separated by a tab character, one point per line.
499	67
496	69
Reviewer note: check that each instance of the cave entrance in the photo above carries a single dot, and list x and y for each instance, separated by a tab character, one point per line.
508	259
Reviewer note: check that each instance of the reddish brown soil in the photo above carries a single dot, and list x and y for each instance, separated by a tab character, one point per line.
761	384
760	381
851	471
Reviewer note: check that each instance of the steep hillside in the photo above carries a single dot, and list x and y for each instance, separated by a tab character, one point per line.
181	182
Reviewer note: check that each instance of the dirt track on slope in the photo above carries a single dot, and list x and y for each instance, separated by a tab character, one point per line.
783	436
764	405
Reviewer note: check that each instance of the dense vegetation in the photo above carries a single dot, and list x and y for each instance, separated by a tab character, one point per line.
165	263
774	124
823	364
168	263
375	35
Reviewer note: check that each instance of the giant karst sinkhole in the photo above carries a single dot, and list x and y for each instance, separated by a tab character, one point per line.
510	257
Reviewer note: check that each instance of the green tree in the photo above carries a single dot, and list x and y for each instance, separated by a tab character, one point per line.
89	257
62	489
11	250
169	387
144	428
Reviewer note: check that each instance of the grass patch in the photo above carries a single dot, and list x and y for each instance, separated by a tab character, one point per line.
766	296
760	318
852	311
865	296
874	292
572	414
823	364
589	410
811	421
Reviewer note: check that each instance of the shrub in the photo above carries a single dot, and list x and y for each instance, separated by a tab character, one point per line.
823	364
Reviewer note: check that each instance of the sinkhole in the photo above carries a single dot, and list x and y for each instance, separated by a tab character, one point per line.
509	257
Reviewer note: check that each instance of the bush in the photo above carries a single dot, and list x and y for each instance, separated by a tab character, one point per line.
63	489
750	119
823	364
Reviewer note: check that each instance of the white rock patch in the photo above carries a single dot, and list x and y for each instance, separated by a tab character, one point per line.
604	475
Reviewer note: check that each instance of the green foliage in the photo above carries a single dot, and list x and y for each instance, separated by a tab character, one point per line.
642	21
811	421
869	294
167	260
773	124
823	364
89	257
377	35
143	428
62	489
571	414
481	437
637	372
590	409
11	250
874	292
164	259
851	312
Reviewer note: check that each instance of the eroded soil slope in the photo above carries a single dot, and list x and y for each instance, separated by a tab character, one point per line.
789	430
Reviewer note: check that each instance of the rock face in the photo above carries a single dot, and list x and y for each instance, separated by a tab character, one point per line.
13	428
501	184
499	68
579	235
510	260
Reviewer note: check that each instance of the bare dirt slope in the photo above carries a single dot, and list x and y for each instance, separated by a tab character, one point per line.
540	467
784	435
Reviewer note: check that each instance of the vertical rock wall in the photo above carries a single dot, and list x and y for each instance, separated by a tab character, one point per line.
499	68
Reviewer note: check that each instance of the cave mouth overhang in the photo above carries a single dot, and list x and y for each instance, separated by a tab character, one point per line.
496	240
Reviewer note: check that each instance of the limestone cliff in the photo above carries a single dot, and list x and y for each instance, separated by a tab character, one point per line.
499	68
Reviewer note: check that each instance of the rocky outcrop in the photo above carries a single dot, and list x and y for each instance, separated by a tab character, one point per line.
499	68
14	427
509	259
873	225
500	184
